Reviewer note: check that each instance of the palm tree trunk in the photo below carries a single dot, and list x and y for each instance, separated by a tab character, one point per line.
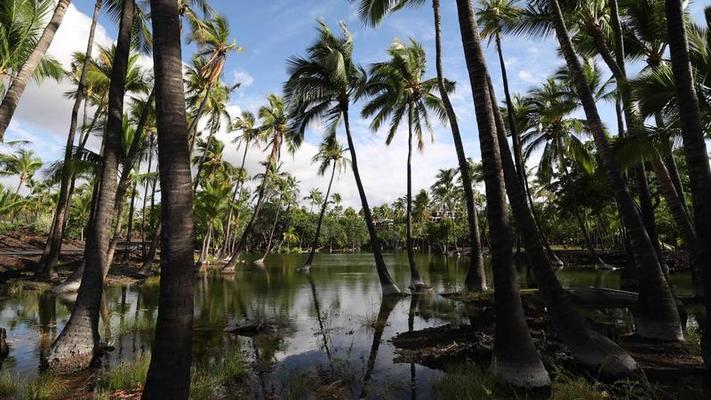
14	92
695	151
594	351
271	234
202	160
415	279
656	316
75	346
152	249
54	240
234	258
192	129
387	284
131	211
238	189
476	277
169	372
145	199
312	253
205	248
515	359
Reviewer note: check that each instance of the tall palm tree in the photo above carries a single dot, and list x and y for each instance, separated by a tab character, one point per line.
315	198
590	348
657	316
694	148
21	24
277	131
322	86
76	344
213	39
23	163
169	372
14	92
515	359
330	154
399	91
373	11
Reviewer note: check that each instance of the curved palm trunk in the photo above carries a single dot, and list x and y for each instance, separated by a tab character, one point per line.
14	92
238	189
205	249
54	241
145	200
271	235
192	129
415	279
387	284
312	253
515	360
695	151
152	249
200	163
476	277
232	263
169	372
656	316
75	346
591	349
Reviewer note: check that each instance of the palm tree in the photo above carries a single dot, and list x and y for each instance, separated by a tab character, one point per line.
21	23
285	190
559	134
315	198
373	11
277	132
169	372
213	39
694	148
23	163
446	194
399	90
515	360
330	154
590	348
76	344
322	86
657	316
246	123
31	63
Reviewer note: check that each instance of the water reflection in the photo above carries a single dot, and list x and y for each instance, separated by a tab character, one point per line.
329	324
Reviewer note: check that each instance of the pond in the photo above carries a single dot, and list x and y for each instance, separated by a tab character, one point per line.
323	321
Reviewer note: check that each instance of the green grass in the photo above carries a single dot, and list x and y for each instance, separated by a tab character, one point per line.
125	375
43	387
467	382
212	380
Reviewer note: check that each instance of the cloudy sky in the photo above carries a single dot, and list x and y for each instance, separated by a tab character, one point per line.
273	30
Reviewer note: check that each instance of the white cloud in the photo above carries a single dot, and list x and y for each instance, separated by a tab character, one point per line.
526	76
243	78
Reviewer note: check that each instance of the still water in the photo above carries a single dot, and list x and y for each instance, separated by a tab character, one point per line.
323	321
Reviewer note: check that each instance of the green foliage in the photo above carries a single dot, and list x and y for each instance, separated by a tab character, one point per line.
467	382
217	378
126	375
43	387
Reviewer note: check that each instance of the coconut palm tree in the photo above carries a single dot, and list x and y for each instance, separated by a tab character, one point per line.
398	91
657	316
276	129
321	86
34	58
315	198
169	372
515	359
214	45
694	147
22	163
76	344
373	12
330	154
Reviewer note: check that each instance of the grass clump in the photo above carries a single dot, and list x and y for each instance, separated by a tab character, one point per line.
217	377
467	382
125	375
577	388
43	387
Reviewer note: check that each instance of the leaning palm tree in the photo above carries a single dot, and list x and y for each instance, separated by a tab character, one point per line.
22	163
31	62
657	315
75	346
277	131
398	91
694	148
373	11
330	154
169	372
515	359
322	86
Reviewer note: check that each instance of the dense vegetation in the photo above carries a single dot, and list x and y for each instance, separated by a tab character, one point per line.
640	185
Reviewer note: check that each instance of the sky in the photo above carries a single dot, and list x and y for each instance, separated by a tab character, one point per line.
271	31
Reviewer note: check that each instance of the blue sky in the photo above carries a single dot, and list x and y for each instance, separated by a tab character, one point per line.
270	31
